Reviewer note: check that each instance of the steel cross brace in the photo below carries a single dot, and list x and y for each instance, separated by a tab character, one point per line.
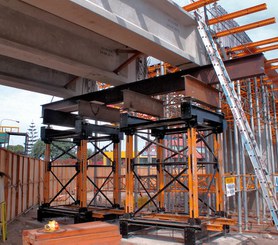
100	150
99	189
63	186
63	152
161	190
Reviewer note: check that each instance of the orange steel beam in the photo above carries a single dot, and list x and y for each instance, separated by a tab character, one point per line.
254	44
192	174
267	62
116	183
272	67
259	50
246	27
198	4
237	14
129	202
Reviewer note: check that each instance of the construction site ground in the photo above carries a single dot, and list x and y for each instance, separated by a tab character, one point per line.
28	220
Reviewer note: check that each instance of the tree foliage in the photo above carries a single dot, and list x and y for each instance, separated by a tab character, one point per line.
56	150
16	149
32	137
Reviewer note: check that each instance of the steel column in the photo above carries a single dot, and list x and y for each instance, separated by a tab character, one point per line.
192	174
269	123
275	124
239	207
46	177
160	176
78	177
257	105
83	174
116	177
129	203
218	175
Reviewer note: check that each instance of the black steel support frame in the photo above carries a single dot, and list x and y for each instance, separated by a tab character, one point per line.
191	116
151	199
49	168
192	231
47	211
79	214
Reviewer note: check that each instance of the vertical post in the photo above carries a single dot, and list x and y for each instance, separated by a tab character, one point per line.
257	105
238	187
78	177
129	203
270	138
218	175
116	183
3	221
192	174
160	176
46	177
263	143
232	160
242	156
250	99
275	123
135	169
83	173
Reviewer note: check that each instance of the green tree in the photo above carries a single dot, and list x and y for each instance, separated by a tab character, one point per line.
32	137
39	150
16	149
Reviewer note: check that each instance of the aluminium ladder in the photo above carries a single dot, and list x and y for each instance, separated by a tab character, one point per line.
244	128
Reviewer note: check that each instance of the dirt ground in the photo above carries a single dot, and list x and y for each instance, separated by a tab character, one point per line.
28	221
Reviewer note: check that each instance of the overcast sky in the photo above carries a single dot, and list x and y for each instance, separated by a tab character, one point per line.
25	106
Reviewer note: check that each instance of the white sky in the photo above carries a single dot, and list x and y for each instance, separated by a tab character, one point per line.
25	106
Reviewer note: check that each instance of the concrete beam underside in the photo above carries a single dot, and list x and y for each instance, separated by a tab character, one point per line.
157	28
30	35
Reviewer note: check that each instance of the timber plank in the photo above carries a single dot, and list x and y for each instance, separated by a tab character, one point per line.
79	234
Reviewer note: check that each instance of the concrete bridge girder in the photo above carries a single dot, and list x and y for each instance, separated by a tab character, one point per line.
91	40
43	53
157	28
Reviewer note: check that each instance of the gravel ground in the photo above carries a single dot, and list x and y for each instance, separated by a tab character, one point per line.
28	221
